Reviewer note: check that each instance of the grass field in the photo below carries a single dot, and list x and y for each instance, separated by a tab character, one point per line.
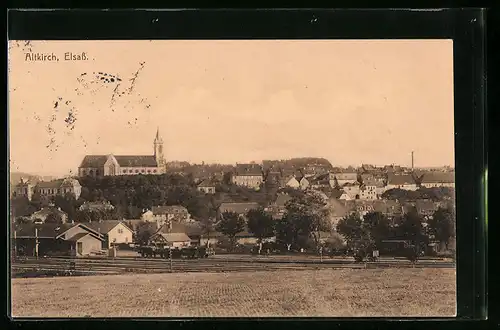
324	293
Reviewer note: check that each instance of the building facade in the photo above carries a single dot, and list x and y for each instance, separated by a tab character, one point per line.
62	187
248	175
109	165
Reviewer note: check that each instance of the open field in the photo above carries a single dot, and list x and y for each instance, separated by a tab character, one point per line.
324	293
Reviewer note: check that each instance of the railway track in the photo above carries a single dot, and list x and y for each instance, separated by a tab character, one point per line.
152	265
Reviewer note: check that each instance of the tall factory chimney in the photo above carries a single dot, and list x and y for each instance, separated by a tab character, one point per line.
412	163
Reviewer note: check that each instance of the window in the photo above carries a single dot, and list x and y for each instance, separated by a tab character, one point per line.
142	171
149	171
136	171
124	171
114	240
120	231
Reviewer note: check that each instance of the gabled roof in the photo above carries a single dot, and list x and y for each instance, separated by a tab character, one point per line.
240	208
45	230
438	177
346	176
105	226
173	237
404	179
50	184
94	161
169	209
48	210
78	236
248	169
372	183
136	161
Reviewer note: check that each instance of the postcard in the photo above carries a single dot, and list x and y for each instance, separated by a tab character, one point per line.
232	178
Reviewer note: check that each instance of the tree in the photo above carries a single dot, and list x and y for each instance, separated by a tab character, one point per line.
378	226
261	224
442	225
230	224
54	218
144	231
411	228
306	215
351	228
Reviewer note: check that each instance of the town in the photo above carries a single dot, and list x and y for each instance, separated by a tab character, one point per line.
116	203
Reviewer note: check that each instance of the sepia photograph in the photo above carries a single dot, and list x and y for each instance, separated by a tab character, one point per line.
231	178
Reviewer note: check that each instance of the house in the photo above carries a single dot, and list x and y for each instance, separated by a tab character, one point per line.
352	189
162	214
303	183
96	206
206	186
239	208
172	240
341	178
106	165
248	175
371	189
63	187
402	181
320	181
24	188
115	232
292	182
65	239
195	231
438	179
42	215
345	196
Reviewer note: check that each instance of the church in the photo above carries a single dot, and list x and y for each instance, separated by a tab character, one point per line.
105	165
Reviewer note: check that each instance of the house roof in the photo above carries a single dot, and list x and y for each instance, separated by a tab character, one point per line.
45	230
373	183
94	161
240	208
438	177
169	209
96	205
175	237
346	176
50	184
105	226
400	179
248	169
78	236
48	210
70	182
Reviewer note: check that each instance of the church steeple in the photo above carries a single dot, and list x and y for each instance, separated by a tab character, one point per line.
158	147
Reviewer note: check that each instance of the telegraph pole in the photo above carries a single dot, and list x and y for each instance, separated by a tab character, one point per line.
15	243
36	243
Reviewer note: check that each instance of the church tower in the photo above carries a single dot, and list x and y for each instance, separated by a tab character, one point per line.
158	145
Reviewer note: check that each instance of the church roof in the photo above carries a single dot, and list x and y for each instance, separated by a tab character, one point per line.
136	161
94	161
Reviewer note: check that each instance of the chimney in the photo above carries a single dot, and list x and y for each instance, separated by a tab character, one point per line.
412	160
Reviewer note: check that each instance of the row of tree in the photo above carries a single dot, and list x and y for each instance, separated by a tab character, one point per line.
306	218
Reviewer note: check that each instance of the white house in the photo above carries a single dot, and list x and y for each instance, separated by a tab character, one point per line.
438	179
114	231
345	196
342	178
403	181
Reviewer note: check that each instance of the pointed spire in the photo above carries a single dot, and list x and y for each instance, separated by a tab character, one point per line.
158	133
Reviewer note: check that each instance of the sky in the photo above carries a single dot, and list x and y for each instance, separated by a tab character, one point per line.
350	101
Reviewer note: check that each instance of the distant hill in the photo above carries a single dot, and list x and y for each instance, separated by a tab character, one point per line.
15	177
